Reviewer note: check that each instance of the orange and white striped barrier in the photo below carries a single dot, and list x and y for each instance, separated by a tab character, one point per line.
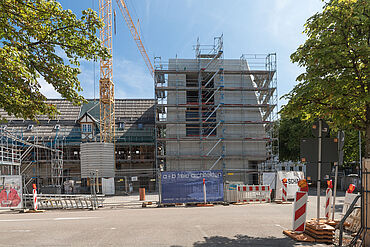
299	216
328	199
284	190
34	197
253	193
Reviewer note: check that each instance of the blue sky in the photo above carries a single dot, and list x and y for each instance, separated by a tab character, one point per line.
171	27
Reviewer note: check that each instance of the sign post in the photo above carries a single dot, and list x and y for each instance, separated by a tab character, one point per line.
319	172
336	164
204	191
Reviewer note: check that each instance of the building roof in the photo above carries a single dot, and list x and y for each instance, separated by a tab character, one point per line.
131	112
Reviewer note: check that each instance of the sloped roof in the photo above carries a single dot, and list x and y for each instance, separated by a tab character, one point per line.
129	111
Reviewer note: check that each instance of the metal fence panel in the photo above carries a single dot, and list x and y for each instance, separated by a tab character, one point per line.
187	186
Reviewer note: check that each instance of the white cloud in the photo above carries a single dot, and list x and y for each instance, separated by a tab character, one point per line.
132	80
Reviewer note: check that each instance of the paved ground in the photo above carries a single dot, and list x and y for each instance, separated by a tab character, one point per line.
246	225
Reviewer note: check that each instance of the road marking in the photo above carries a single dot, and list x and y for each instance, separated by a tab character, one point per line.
76	218
20	230
279	226
202	231
46	219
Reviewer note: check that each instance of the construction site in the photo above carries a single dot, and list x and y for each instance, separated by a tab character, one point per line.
208	137
48	152
216	113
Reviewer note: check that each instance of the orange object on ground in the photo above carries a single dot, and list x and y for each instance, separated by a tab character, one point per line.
142	194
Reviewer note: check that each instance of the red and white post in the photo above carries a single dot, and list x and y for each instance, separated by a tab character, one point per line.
328	199
34	197
284	190
300	205
204	191
299	217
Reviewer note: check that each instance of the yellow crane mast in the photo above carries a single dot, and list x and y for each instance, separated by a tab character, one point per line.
106	85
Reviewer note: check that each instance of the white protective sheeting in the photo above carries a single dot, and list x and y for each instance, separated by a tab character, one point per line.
108	186
269	178
97	156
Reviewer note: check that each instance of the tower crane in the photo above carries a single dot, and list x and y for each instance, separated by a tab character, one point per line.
135	34
106	85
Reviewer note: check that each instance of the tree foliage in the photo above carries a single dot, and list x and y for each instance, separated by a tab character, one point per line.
292	130
335	84
34	35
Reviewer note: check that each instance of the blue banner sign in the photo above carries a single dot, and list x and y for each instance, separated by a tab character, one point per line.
187	186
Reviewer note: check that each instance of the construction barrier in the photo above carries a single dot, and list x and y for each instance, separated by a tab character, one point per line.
62	201
34	196
231	193
292	183
253	193
284	190
348	199
328	199
299	217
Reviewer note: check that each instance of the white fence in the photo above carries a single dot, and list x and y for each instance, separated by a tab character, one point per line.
247	193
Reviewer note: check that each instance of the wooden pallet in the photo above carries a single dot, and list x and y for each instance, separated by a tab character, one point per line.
354	221
321	232
301	237
240	203
205	205
281	202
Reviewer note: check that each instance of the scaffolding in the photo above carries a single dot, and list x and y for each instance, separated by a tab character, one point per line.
216	113
31	158
39	141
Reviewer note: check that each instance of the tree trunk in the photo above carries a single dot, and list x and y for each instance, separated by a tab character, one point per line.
365	181
367	133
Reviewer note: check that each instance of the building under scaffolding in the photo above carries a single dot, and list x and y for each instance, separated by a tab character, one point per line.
216	113
50	148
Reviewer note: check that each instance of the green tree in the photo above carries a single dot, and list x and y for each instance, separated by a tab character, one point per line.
291	131
335	84
33	36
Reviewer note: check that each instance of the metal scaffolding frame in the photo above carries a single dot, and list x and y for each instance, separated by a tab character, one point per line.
208	116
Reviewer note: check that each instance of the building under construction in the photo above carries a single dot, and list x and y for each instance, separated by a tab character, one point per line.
49	150
216	113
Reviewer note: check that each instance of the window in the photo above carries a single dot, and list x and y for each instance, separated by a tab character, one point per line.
283	168
140	125
300	168
291	168
86	128
121	125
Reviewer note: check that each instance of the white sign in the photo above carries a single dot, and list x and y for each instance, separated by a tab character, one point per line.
108	186
133	179
10	192
292	183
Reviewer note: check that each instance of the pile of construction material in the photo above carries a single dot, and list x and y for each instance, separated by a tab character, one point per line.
321	232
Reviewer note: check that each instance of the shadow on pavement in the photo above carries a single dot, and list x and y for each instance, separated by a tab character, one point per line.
244	240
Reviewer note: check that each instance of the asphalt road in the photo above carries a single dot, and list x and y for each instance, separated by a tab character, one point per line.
243	225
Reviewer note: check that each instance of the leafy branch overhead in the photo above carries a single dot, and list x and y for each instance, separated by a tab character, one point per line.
335	84
34	34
